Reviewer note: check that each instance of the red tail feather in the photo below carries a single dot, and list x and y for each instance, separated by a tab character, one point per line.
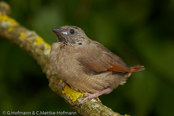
136	68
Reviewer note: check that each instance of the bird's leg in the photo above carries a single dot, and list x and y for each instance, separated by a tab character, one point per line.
95	95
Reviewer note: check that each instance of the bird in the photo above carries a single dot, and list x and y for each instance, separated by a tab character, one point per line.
86	65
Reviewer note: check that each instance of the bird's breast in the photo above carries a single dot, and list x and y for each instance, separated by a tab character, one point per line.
65	63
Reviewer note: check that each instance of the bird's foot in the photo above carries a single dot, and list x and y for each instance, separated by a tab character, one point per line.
95	95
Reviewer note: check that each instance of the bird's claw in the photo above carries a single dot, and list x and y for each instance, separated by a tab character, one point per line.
90	96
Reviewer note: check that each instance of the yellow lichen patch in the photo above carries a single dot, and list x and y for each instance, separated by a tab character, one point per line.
9	21
39	40
61	81
46	46
10	28
72	94
22	35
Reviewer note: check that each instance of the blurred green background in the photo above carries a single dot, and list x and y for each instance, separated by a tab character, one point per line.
139	31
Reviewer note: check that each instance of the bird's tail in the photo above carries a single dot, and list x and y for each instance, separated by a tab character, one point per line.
136	68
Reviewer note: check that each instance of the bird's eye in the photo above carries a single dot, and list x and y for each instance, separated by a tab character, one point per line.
72	31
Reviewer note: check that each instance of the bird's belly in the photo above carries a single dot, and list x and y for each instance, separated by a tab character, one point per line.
70	71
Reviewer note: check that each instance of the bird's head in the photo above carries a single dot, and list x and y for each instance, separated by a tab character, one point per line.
70	35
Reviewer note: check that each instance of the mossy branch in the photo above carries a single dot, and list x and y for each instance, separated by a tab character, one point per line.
34	45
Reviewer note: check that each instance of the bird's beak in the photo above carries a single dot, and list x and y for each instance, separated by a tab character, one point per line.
59	33
56	30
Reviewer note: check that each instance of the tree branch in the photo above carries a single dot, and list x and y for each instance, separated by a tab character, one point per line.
34	45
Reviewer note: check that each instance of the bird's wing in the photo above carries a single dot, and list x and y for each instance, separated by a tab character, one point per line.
95	57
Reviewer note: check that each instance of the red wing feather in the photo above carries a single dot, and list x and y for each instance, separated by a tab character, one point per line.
136	68
117	68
